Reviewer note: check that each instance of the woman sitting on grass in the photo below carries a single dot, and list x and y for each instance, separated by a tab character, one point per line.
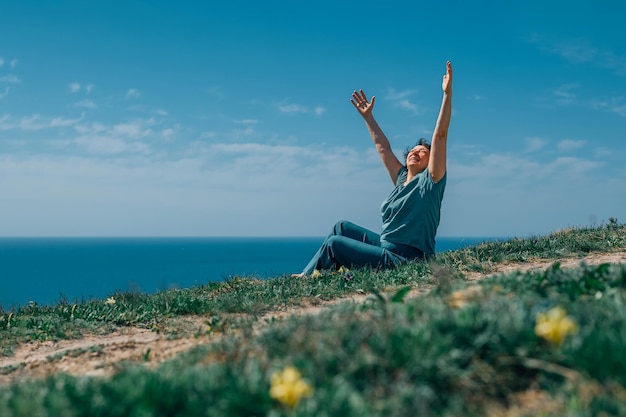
411	212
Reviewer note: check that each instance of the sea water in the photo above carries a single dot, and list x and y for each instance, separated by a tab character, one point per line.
48	270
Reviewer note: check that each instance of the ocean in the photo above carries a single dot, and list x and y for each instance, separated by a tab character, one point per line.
48	270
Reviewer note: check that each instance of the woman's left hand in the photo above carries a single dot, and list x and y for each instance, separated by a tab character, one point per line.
446	84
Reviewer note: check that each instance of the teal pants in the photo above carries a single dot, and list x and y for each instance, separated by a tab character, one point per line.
351	245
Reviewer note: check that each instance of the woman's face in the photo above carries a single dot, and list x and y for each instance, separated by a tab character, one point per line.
418	158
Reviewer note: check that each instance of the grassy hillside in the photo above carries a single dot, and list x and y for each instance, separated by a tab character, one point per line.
546	342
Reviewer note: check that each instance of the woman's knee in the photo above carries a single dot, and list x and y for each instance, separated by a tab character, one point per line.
341	226
342	223
333	241
338	245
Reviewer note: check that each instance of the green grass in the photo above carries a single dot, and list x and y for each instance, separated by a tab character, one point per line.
391	356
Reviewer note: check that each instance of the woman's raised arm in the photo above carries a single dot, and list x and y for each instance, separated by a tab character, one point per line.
383	147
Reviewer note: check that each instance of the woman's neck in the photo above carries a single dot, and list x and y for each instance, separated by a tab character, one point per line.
412	174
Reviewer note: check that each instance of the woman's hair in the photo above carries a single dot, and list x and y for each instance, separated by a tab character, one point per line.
422	142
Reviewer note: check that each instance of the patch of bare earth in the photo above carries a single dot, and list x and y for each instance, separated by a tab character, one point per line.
98	355
592	259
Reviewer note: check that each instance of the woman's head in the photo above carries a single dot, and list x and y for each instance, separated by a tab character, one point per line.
418	155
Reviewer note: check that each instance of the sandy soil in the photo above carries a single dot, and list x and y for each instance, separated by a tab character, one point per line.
103	355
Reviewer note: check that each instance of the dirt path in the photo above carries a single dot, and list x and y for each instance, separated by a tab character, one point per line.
103	355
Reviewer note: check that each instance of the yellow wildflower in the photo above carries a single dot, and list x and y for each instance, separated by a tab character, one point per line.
342	269
289	387
316	274
110	301
555	325
460	298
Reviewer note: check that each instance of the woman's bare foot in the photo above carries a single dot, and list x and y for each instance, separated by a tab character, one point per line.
300	275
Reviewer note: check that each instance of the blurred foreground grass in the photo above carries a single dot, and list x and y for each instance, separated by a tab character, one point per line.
537	343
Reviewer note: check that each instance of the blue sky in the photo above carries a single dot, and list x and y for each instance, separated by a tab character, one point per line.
203	118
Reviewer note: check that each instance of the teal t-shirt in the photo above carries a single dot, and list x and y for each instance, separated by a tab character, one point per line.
411	212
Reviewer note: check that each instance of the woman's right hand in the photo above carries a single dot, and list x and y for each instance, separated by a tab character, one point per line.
360	103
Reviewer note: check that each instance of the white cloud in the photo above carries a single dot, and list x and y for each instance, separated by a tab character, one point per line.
581	51
36	122
122	185
510	195
575	50
161	112
5	93
62	121
102	145
246	121
13	63
94	128
132	93
169	132
564	94
120	138
133	192
612	104
534	144
240	134
292	108
86	104
1	62
400	99
572	165
297	108
476	97
75	87
10	78
394	95
208	135
319	110
286	157
621	110
407	105
570	144
136	129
